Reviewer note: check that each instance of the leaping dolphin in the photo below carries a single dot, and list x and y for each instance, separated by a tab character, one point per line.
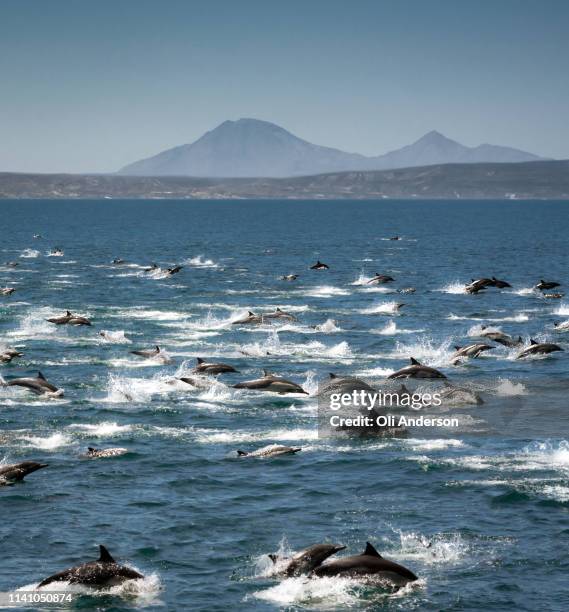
18	471
380	279
472	350
61	320
369	563
539	348
104	572
204	367
320	266
547	285
306	560
38	385
273	383
155	353
7	290
280	314
417	370
249	318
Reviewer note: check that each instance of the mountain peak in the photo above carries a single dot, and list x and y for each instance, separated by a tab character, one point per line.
434	137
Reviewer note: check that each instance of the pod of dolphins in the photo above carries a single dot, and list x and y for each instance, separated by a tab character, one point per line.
369	565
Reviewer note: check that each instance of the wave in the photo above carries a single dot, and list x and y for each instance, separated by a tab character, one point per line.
562	310
50	443
30	253
113	337
200	262
455	287
326	291
102	430
389	308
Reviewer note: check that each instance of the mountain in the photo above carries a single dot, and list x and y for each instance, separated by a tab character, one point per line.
434	148
252	148
497	181
246	148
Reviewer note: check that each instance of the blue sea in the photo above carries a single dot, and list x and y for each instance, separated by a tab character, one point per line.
478	511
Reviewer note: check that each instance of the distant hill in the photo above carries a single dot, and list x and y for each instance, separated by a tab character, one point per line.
252	148
528	180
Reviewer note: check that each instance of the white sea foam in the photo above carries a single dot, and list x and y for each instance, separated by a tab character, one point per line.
388	308
102	430
200	262
326	291
30	253
49	443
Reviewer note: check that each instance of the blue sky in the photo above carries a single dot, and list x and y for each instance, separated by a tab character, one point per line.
93	85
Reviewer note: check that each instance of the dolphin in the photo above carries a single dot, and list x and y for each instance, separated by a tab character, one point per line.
98	453
395	238
280	314
289	277
7	290
117	261
460	395
39	385
304	561
320	266
380	279
198	383
539	348
479	285
173	270
204	367
416	370
12	264
154	353
18	471
554	296
249	318
501	338
369	563
547	285
500	284
57	252
563	326
274	450
77	320
472	350
8	354
61	320
273	383
104	572
153	267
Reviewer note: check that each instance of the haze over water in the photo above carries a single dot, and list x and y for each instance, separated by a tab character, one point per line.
478	512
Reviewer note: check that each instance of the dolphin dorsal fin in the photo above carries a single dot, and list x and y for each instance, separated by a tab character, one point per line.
40	375
370	551
199	359
251	313
105	556
414	361
242	453
457	348
278	309
157	348
532	341
273	557
332	375
91	449
68	313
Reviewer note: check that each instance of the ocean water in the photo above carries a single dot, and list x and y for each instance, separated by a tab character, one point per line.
479	512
